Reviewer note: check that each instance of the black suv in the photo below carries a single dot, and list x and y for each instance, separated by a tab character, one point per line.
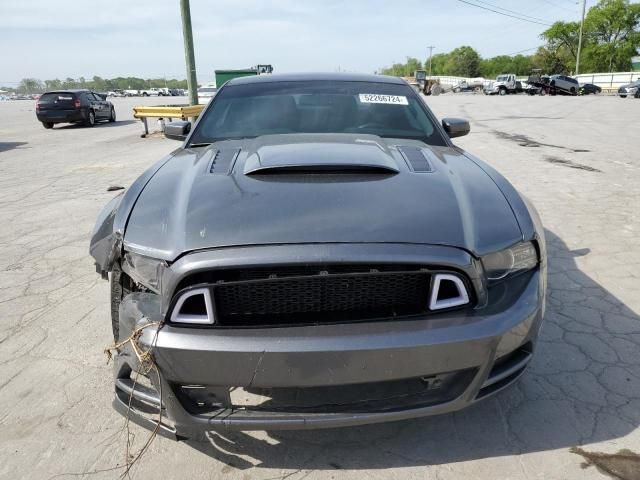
74	106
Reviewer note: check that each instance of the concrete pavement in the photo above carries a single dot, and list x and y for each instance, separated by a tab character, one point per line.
577	159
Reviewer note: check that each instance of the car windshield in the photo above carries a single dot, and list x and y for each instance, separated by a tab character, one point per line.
503	78
251	110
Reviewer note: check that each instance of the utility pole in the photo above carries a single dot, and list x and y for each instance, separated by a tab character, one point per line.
431	47
190	59
584	8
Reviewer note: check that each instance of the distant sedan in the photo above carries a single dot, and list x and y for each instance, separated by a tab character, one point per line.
205	94
587	88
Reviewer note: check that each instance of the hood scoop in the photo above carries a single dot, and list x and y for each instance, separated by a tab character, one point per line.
364	156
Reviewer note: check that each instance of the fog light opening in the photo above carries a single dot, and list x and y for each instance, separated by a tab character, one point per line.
447	291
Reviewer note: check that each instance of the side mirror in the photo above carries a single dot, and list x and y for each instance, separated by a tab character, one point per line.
456	127
177	130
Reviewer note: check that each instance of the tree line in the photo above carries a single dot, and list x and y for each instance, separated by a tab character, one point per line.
99	84
611	37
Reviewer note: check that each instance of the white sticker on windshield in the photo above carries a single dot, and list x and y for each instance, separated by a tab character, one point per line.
386	99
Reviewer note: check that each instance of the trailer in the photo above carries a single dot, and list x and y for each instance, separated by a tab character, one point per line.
538	84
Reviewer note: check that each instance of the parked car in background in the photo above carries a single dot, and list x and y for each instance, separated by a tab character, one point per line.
150	92
631	90
318	253
74	106
206	93
589	88
564	84
161	92
116	93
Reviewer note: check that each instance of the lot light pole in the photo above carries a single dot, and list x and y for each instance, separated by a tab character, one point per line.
430	47
190	58
584	7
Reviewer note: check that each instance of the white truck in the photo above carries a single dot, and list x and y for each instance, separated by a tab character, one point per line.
503	85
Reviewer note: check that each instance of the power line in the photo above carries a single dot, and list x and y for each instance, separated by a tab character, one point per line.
511	11
521	51
505	14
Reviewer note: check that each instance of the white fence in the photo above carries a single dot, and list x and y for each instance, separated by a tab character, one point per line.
611	81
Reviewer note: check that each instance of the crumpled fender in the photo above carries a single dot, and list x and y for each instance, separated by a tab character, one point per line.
106	240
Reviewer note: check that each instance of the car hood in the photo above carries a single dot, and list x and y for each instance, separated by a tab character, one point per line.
286	189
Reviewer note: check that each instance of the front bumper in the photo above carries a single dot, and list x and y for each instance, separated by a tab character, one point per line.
472	354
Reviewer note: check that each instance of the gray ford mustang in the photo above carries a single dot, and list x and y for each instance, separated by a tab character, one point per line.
316	254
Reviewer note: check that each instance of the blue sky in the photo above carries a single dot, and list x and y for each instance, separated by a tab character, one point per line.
49	39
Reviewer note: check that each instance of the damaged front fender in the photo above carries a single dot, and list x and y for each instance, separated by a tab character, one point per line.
106	240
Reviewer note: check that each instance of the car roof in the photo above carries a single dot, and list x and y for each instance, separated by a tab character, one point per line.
69	90
306	77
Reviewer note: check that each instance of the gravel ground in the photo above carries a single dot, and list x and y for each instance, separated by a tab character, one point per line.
578	159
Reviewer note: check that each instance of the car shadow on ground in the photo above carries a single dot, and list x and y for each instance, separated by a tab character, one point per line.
6	146
583	386
100	124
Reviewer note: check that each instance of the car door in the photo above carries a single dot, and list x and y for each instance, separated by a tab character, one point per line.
98	105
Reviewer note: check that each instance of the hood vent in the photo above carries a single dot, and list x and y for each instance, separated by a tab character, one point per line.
326	169
354	156
223	161
416	159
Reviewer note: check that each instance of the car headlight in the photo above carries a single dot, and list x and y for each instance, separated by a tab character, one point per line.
145	270
518	258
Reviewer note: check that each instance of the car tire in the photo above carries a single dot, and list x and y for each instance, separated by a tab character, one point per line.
145	94
112	116
47	125
637	95
120	286
573	90
503	91
623	96
91	119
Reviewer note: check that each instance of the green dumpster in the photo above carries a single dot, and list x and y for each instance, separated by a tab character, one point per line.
223	76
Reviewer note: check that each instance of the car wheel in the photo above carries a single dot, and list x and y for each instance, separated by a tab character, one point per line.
145	94
47	125
91	119
573	90
637	95
120	286
112	117
503	91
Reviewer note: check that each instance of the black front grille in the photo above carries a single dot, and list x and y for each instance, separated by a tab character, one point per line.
321	298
